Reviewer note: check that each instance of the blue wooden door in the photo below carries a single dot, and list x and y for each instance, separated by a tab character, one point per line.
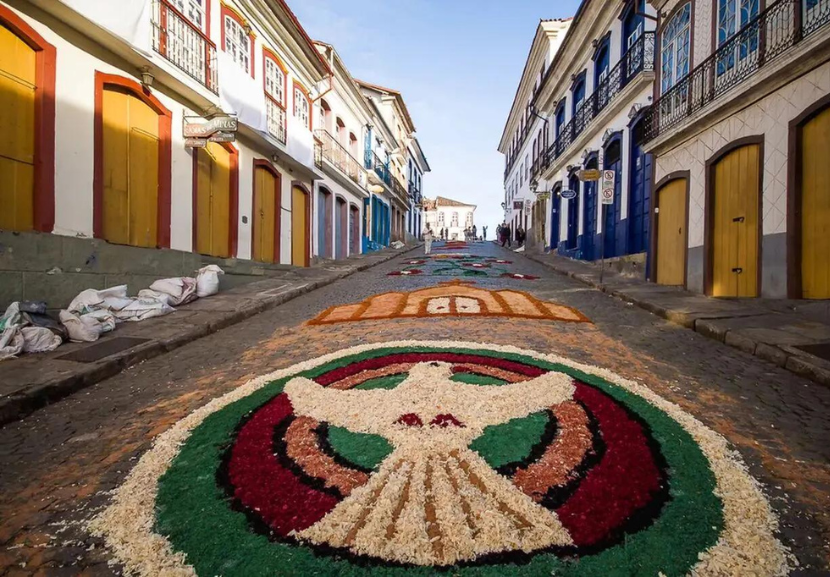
555	219
589	220
639	204
613	161
573	214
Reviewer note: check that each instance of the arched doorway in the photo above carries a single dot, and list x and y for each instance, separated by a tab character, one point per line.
613	161
324	221
266	213
131	186
555	215
733	200
354	229
340	228
639	194
671	199
215	200
300	220
589	214
27	118
809	204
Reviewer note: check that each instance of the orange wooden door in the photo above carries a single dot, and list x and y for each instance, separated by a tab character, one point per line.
815	207
266	213
131	169
213	201
17	127
737	188
671	234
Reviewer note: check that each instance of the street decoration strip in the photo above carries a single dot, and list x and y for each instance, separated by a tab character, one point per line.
459	265
450	299
407	457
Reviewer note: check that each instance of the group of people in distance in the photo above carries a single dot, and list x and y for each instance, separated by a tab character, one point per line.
470	235
505	236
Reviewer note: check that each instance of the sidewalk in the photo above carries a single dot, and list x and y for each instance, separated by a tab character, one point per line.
33	381
794	334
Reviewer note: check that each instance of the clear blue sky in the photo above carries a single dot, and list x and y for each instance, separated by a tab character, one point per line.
457	63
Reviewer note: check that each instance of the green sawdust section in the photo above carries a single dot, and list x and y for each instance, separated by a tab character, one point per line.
197	518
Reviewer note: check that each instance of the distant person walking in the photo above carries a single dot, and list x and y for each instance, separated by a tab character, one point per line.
520	236
505	236
484	233
475	233
428	240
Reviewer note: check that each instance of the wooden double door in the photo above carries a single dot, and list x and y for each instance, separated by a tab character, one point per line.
266	215
814	209
300	217
671	223
212	201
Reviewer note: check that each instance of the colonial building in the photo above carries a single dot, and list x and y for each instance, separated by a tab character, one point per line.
740	133
98	172
592	97
526	132
417	166
449	215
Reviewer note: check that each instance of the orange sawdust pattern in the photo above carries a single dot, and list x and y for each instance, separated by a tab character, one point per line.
443	300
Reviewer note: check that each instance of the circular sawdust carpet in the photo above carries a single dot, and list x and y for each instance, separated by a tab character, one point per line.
417	457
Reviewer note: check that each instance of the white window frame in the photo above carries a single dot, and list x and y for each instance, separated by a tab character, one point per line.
194	11
302	107
275	80
238	50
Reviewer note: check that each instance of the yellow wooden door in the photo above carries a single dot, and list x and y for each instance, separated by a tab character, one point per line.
815	207
213	201
299	230
265	215
17	127
131	171
736	192
671	234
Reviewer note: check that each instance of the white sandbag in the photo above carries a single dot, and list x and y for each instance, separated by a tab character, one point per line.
39	340
104	317
207	281
92	299
144	308
155	295
81	328
181	289
11	343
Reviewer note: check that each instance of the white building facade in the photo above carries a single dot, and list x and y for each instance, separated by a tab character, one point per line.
524	134
739	135
450	216
594	96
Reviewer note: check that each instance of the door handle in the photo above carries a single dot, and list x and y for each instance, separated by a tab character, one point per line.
738	270
739	219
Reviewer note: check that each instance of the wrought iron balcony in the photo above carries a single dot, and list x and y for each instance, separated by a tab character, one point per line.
639	58
276	119
769	35
399	189
337	155
184	44
373	162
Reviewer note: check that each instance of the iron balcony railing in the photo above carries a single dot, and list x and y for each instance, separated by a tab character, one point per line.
339	156
373	162
522	137
276	119
763	39
184	44
639	58
398	188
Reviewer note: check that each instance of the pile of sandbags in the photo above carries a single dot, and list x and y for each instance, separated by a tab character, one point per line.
26	328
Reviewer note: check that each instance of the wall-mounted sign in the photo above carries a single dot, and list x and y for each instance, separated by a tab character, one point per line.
198	127
609	178
568	194
518	205
589	175
543	196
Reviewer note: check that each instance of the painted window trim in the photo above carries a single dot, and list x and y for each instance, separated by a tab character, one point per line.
228	12
268	54
43	190
205	11
233	216
295	86
165	183
664	24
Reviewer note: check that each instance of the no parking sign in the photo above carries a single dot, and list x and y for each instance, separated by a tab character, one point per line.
609	178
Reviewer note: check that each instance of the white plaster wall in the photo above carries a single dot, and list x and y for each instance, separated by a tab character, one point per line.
74	145
770	117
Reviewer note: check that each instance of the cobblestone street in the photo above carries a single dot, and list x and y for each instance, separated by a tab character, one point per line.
60	464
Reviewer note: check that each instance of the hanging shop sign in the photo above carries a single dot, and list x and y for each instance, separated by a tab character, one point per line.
609	178
568	194
223	137
543	196
518	205
589	175
198	127
195	142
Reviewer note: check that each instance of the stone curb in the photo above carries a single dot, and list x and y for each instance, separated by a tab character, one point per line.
787	359
17	406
